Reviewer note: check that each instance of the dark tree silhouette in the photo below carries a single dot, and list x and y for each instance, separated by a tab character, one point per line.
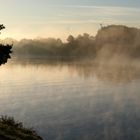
2	26
5	50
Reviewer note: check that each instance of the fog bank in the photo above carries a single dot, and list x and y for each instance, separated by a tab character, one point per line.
111	42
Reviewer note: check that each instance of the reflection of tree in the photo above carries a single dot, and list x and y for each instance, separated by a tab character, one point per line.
120	73
5	50
108	72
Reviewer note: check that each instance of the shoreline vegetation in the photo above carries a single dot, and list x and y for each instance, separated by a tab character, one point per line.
5	49
14	130
113	41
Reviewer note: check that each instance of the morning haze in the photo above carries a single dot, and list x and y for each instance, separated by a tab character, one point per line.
59	18
74	69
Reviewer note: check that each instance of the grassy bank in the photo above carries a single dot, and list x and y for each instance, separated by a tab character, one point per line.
13	130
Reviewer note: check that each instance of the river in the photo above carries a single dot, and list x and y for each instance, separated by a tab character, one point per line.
74	100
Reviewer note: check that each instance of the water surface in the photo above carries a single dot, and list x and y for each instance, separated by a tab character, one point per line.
72	101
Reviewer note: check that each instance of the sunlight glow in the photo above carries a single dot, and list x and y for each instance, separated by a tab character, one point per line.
31	19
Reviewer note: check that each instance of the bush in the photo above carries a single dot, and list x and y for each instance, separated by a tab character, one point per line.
14	130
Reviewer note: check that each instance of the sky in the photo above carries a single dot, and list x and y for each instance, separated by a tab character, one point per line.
59	18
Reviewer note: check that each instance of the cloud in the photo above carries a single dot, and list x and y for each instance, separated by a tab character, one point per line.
75	17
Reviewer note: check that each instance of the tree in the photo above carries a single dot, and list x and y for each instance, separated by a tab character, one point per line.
5	50
2	26
70	39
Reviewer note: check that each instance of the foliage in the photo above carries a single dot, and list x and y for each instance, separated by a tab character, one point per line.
2	26
14	130
109	41
5	50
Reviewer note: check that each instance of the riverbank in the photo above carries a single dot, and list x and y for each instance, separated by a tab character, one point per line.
13	130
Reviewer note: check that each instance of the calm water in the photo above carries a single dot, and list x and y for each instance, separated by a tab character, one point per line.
73	101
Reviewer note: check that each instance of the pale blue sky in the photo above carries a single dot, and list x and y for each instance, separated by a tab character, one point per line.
59	18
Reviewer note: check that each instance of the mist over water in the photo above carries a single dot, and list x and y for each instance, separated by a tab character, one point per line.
73	100
86	88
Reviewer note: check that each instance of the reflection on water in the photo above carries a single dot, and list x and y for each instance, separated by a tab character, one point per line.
73	101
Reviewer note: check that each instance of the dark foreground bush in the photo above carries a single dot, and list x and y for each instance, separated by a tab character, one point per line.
14	130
